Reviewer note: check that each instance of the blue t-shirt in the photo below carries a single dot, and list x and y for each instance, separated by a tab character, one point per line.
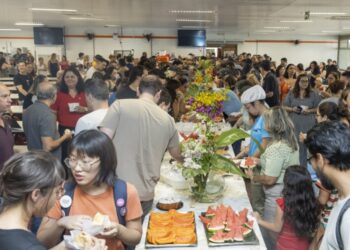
232	104
259	133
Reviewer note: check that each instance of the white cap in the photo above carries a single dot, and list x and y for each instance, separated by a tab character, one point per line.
253	94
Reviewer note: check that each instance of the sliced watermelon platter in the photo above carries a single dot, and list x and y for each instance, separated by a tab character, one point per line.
224	226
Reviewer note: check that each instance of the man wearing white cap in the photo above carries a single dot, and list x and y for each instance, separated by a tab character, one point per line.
253	100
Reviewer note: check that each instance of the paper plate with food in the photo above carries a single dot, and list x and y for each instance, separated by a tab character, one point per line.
78	240
97	225
248	163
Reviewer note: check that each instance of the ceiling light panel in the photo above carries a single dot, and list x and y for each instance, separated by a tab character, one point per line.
52	10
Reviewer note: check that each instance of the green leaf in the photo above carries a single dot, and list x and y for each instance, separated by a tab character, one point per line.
228	137
221	163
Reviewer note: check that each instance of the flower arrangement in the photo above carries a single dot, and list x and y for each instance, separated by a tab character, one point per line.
201	97
209	103
201	158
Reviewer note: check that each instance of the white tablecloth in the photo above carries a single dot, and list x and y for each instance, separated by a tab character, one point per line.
235	195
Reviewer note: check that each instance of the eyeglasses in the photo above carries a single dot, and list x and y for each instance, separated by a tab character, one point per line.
84	165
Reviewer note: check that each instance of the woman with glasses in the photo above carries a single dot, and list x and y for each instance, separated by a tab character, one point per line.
301	103
30	184
92	163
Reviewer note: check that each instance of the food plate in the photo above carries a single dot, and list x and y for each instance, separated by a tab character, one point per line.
181	229
225	227
249	240
251	163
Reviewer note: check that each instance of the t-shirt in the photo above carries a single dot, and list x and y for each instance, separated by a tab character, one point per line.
90	73
6	143
333	99
277	158
270	84
25	81
329	239
332	200
287	239
19	239
85	204
91	120
64	116
125	92
143	132
232	104
259	133
39	121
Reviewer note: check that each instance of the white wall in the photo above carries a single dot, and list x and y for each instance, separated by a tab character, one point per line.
303	52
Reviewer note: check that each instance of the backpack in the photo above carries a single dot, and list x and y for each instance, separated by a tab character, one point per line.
338	225
120	199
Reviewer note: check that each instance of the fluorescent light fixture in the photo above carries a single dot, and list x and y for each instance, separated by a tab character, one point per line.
86	18
9	29
329	13
193	27
317	34
194	20
191	11
112	25
278	28
346	28
265	31
28	24
331	31
296	21
52	10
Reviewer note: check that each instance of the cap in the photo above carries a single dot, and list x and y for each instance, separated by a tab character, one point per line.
253	94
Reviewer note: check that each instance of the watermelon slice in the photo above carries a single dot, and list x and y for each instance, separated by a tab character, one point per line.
232	220
243	215
218	237
249	162
216	224
238	236
210	212
205	220
246	231
249	224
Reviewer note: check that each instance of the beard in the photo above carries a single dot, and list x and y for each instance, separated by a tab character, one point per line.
326	183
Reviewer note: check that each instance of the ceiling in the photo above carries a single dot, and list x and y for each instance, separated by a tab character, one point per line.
244	17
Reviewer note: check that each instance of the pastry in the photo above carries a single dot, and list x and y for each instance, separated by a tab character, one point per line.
99	219
83	240
169	203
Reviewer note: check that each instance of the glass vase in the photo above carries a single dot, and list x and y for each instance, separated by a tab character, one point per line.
207	188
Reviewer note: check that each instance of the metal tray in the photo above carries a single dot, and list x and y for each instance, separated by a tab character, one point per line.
153	246
251	239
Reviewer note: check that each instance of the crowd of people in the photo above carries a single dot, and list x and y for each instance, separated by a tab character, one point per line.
116	119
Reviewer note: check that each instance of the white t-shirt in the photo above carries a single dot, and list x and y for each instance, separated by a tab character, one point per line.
329	241
90	73
80	61
90	121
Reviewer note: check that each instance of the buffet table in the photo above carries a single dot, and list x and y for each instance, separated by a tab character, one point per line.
234	195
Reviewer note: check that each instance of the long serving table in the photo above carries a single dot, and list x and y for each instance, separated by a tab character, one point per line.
234	195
